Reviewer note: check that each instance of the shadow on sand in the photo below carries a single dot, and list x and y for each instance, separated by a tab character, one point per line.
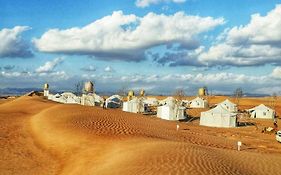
245	124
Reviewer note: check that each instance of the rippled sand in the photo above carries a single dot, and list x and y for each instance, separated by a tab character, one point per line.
42	137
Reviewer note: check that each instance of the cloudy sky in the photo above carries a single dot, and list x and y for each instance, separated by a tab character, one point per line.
158	45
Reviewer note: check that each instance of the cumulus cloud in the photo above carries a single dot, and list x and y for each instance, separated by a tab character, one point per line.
126	37
276	73
257	43
108	69
222	82
49	66
12	45
58	75
146	3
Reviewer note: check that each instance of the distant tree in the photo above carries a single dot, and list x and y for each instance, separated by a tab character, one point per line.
79	88
238	93
123	91
179	94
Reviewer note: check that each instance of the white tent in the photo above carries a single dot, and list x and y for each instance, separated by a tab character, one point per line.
135	105
69	98
87	100
218	117
51	96
91	100
98	100
57	98
151	101
262	112
171	111
115	101
198	103
229	106
168	100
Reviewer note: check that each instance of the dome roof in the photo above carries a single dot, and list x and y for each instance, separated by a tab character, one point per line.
131	93
46	86
202	92
142	92
89	87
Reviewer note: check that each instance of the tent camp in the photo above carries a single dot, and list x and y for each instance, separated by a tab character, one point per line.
171	111
91	100
57	98
115	101
262	112
70	98
151	101
135	105
98	100
87	100
228	105
198	103
218	117
168	100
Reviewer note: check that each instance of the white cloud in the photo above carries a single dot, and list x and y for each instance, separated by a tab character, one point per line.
11	43
49	66
57	75
260	30
269	90
108	69
256	43
146	3
276	73
221	82
126	37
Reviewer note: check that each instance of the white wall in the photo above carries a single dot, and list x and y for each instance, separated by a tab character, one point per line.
217	120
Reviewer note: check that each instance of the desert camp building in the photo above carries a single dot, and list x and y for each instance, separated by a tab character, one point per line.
262	112
218	117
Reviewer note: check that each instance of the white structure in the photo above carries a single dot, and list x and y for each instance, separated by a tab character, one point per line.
53	97
89	87
171	111
70	98
115	101
198	103
168	100
218	117
151	101
98	100
228	105
135	105
87	100
46	90
278	136
262	112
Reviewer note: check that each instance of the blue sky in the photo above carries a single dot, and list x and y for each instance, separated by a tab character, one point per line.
158	45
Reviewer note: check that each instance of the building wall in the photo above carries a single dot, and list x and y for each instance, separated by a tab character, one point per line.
217	120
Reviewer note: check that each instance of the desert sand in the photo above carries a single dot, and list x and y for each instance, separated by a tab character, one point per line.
42	137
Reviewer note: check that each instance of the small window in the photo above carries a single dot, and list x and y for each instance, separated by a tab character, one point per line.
264	113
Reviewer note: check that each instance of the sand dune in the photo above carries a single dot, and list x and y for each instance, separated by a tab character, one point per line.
42	137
